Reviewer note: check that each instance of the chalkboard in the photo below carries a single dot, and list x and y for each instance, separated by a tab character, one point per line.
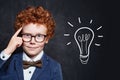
94	17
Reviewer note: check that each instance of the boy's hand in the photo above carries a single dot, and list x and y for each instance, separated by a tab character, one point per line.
15	42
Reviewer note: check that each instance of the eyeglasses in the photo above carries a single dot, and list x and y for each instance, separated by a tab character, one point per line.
28	37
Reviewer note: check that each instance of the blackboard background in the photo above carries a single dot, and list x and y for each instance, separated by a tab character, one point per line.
103	62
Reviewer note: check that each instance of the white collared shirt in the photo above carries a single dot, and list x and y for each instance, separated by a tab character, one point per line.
29	71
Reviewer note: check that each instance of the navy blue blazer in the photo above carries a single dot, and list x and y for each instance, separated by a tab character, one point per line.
12	69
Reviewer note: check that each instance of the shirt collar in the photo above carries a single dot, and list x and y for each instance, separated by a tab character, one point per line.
38	57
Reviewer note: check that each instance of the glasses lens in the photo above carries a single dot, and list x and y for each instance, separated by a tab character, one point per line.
40	37
26	37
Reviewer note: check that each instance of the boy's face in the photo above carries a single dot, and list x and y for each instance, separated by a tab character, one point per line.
33	47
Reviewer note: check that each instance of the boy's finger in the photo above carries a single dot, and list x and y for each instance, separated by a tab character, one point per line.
17	32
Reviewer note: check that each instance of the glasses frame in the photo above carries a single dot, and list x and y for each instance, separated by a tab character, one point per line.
33	36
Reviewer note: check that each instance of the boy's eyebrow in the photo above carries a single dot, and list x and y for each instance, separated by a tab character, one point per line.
33	34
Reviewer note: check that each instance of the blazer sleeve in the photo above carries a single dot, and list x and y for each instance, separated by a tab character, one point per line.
58	73
3	60
1	63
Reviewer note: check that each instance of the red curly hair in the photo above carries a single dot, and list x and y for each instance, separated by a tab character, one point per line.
36	15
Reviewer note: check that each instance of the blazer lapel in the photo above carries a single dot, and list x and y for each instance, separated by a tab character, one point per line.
38	71
18	66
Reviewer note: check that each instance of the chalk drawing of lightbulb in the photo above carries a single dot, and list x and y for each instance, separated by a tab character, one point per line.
84	37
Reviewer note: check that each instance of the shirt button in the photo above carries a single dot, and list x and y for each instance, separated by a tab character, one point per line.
3	56
29	72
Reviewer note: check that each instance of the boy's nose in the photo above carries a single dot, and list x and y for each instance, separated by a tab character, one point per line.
33	40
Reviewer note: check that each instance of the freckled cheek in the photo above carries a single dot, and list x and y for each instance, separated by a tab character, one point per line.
25	44
41	45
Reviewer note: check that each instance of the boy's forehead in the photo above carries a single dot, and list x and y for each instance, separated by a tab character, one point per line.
32	28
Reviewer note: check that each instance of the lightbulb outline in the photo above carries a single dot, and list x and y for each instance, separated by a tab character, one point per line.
88	50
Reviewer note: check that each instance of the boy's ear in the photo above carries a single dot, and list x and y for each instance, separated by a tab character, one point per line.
47	40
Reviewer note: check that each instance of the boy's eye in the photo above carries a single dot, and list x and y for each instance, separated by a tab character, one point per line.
39	35
27	35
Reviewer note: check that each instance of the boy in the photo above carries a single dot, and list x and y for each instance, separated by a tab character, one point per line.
34	27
